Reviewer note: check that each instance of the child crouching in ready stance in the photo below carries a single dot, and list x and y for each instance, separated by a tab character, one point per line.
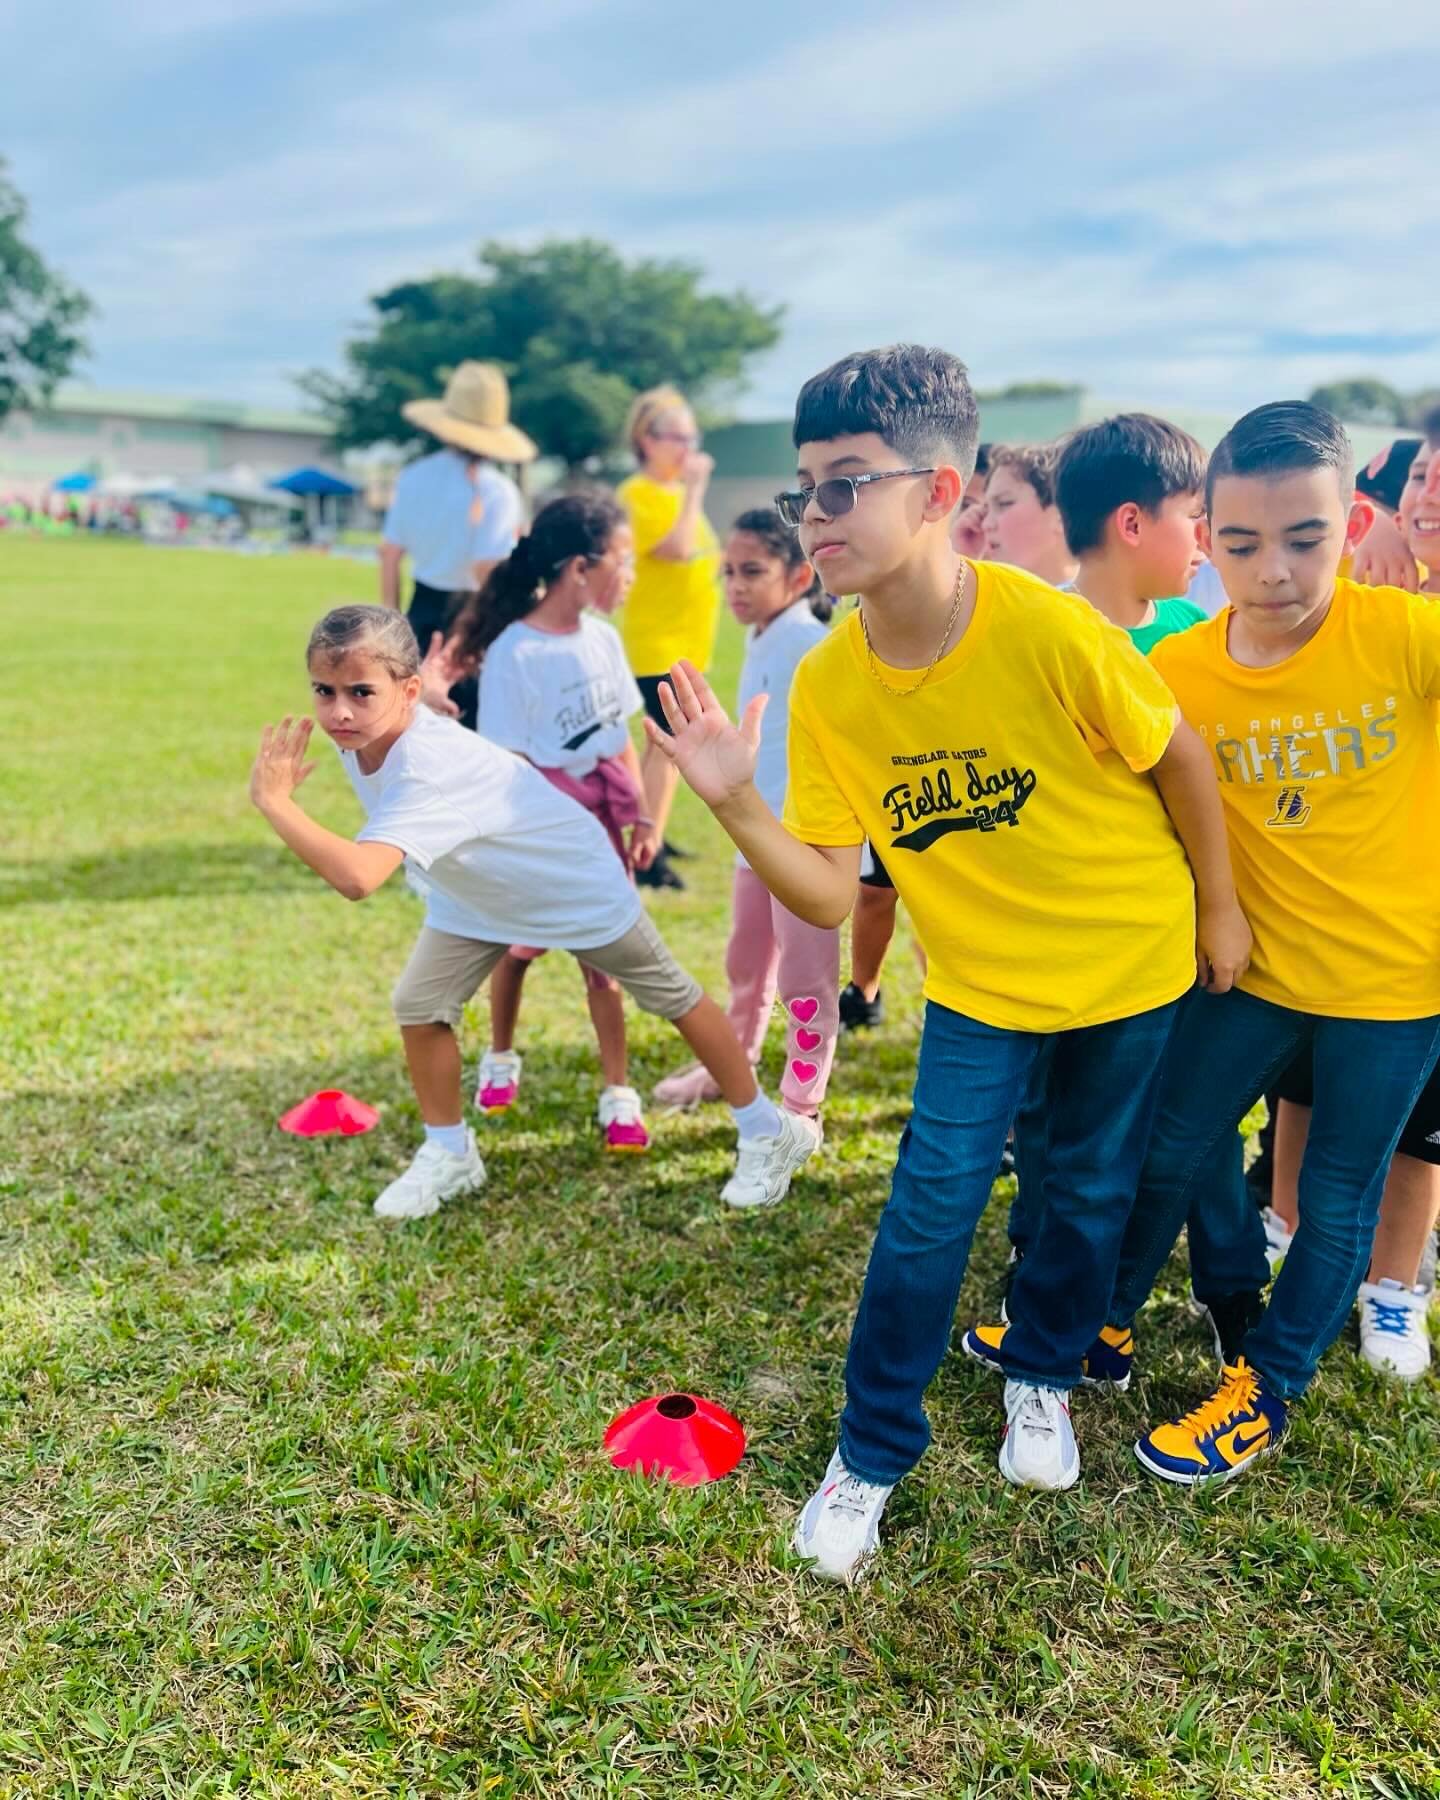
503	857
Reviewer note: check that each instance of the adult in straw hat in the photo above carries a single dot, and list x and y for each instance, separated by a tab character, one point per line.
454	513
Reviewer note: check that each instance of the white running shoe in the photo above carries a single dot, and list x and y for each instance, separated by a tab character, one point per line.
687	1088
497	1086
1038	1449
1393	1334
839	1530
764	1166
434	1177
622	1121
1277	1239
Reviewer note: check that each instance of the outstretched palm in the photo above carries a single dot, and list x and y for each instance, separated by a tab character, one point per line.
716	758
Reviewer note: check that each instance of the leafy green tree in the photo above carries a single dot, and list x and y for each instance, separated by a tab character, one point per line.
1031	390
1362	400
1422	407
40	313
577	329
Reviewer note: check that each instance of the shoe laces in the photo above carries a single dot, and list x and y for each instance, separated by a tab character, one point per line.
1236	1395
851	1496
1391	1319
1036	1415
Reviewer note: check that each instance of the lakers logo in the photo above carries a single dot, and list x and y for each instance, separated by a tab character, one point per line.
1291	808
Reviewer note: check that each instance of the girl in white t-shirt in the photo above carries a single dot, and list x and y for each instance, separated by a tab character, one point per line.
555	687
772	589
502	856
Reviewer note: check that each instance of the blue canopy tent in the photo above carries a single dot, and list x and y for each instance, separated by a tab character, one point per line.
79	481
315	487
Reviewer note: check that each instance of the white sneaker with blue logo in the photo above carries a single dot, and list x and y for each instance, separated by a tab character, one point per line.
1393	1334
839	1530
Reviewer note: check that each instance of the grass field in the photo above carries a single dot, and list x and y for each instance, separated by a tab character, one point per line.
291	1504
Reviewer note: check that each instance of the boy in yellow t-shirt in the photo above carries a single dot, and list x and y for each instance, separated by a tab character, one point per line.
1024	775
1317	699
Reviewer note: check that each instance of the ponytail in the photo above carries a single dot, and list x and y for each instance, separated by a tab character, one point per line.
578	524
764	523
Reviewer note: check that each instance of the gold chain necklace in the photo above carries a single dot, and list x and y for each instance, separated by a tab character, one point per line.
915	687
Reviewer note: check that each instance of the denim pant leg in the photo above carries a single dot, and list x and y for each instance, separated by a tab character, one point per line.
1104	1081
1368	1075
1224	1228
967	1087
1031	1123
1225	1049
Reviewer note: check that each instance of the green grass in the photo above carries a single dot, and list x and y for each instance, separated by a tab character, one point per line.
294	1505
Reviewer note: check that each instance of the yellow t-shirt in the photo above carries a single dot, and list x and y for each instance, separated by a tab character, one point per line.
1329	768
673	608
1008	802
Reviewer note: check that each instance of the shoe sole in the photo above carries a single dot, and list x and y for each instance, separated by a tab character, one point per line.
1039	1487
471	1187
764	1204
859	1570
626	1149
1202	1480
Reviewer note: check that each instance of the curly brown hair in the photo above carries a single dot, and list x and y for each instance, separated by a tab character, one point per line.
1034	463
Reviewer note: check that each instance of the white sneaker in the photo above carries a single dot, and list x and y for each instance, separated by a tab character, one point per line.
434	1177
765	1165
497	1085
839	1530
1277	1239
1038	1449
1393	1334
622	1121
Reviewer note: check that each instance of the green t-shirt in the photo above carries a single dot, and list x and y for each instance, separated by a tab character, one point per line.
1170	616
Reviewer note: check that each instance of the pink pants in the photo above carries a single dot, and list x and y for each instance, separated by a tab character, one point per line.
770	948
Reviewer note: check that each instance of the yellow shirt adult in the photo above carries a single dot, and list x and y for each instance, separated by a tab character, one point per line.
674	607
1008	801
1329	769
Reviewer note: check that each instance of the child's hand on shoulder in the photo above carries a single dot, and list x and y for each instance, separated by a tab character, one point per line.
716	758
280	764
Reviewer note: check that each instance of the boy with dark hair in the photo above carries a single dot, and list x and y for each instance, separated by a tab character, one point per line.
995	740
1317	700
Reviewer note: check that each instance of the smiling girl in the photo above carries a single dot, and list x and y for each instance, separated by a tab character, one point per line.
503	857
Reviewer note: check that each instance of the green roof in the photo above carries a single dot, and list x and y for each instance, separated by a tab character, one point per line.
136	403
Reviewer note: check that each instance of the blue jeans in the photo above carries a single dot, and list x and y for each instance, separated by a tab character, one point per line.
1226	1238
1227	1049
1103	1083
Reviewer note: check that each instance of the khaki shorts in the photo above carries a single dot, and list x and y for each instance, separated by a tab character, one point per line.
444	971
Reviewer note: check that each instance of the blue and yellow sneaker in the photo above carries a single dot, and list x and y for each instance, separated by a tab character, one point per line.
1107	1362
1222	1437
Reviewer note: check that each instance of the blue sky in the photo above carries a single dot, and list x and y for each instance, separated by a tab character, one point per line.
1205	204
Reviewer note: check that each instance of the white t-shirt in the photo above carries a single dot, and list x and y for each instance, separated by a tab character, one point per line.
771	659
447	517
560	698
499	854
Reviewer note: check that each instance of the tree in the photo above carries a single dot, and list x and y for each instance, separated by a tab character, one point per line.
1031	390
1362	400
578	331
1421	408
40	313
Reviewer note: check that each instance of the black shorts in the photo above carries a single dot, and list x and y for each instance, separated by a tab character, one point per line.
649	686
878	875
1421	1136
432	610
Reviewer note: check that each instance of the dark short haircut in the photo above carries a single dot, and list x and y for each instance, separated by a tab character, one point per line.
1034	463
1383	480
1282	438
920	401
982	459
1133	457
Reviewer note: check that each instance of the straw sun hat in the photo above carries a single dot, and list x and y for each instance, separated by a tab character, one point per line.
474	415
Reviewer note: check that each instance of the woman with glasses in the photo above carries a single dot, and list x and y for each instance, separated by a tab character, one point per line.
674	606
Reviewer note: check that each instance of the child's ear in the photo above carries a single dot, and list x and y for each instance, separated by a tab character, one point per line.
1357	526
1202	536
799	580
946	491
1128	522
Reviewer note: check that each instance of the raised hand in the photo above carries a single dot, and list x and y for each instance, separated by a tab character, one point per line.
716	758
438	674
280	764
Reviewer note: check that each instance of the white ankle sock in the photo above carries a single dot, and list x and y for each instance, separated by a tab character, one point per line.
453	1138
757	1120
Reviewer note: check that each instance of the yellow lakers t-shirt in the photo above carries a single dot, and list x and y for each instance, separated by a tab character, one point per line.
1008	801
673	608
1329	768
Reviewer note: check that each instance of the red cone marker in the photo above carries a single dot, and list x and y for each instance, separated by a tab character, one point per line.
687	1440
328	1112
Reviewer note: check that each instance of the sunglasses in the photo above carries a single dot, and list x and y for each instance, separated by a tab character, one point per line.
835	496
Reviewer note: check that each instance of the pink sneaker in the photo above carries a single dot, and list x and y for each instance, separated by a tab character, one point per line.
689	1088
621	1121
498	1084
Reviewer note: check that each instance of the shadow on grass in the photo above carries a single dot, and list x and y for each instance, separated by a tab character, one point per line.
175	869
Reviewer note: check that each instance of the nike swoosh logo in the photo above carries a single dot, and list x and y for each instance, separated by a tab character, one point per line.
1239	1445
